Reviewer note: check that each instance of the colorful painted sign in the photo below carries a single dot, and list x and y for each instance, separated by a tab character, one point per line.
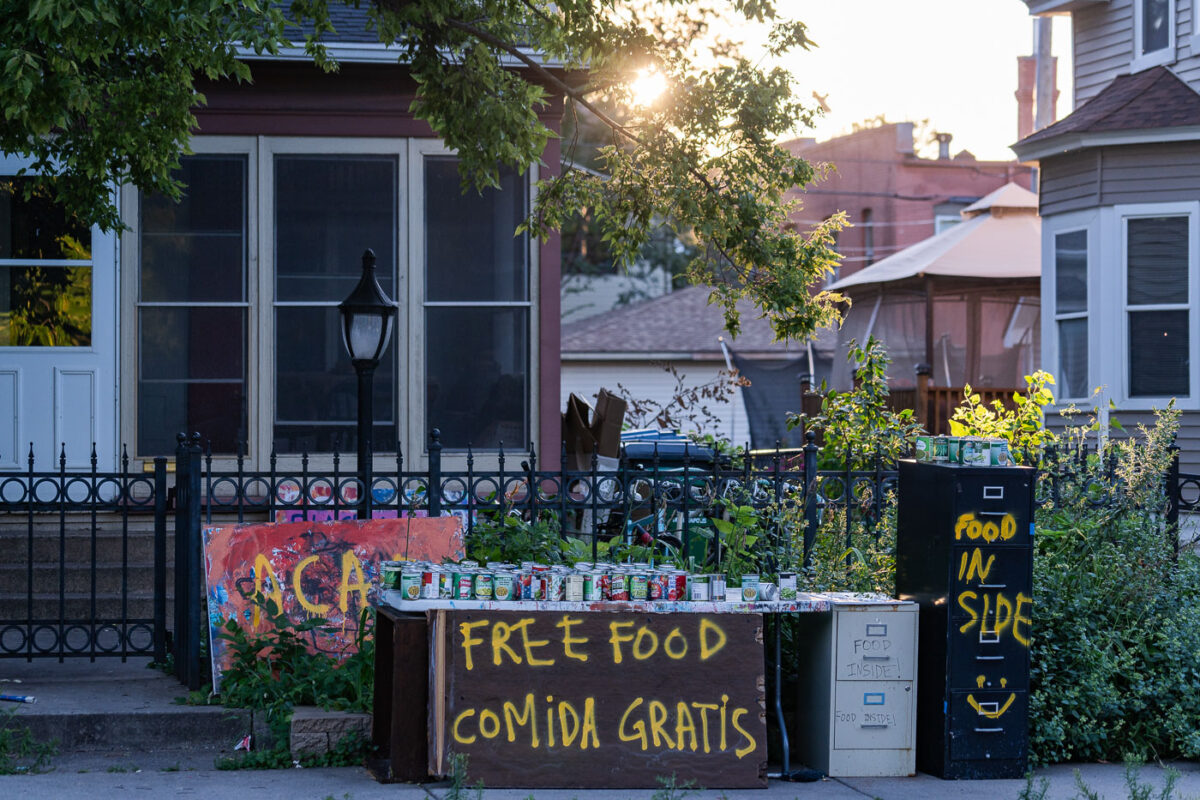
312	569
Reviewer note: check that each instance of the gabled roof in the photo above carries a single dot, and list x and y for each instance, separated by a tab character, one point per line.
681	322
1153	100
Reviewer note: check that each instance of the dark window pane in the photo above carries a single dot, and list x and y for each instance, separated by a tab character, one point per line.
217	410
38	227
45	306
1158	354
1158	260
195	250
316	389
1156	25
477	364
191	377
1073	356
470	251
192	344
1070	272
328	210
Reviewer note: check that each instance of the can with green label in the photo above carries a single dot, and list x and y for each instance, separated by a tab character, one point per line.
954	449
923	448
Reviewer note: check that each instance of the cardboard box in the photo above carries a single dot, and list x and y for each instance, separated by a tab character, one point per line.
586	430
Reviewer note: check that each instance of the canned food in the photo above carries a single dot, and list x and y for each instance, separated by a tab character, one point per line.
463	585
410	584
555	585
619	586
445	584
677	585
939	449
591	587
573	592
787	586
483	586
1000	456
976	452
656	586
717	586
954	449
700	587
389	574
639	586
923	448
749	588
430	583
502	585
605	591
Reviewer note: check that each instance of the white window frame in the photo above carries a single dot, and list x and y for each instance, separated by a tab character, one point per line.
408	347
269	147
1088	221
418	150
131	258
944	222
1194	38
1118	334
1166	55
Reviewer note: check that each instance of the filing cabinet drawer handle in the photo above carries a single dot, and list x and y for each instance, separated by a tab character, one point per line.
989	730
993	493
875	725
989	658
877	658
992	513
993	586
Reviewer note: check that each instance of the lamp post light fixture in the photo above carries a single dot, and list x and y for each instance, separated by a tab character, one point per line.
367	319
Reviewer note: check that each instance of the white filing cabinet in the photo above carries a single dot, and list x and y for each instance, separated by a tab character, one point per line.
856	709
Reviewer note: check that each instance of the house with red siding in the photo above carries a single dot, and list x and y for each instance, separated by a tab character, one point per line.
218	314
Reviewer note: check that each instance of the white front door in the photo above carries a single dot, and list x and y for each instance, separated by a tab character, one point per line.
58	334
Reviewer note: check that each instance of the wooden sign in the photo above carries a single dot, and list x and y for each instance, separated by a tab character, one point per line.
598	699
312	569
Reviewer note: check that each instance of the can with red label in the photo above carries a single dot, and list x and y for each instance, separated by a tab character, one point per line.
656	585
619	586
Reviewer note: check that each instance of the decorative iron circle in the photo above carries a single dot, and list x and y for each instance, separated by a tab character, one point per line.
349	491
137	492
77	638
13	490
383	491
414	493
40	644
453	491
36	490
140	637
77	489
13	639
320	491
287	492
256	491
224	492
516	490
548	489
108	638
486	491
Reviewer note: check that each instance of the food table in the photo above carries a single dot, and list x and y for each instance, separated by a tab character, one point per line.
579	694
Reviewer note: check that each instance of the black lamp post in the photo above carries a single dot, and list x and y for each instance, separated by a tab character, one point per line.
367	319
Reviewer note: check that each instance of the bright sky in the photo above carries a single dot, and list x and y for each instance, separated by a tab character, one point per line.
953	62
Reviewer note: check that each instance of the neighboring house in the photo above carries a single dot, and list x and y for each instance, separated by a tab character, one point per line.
1120	206
588	295
219	314
631	348
892	197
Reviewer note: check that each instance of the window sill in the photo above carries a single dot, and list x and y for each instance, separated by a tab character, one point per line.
1156	59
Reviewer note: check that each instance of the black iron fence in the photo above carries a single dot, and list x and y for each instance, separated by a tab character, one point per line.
85	556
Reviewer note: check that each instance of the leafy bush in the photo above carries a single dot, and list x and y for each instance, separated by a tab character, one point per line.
509	538
273	672
1116	637
1024	428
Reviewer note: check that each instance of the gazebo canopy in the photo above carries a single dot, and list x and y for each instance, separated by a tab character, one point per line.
965	301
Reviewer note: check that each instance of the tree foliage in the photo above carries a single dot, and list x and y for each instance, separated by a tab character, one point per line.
105	92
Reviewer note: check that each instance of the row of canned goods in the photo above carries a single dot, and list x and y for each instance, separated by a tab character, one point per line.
588	583
972	451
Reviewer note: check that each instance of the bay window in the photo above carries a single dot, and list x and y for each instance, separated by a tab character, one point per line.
1071	312
1157	305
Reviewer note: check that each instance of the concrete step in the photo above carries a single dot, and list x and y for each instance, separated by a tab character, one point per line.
109	577
76	546
78	605
109	707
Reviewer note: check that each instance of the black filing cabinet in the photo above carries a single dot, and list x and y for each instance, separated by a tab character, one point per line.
964	553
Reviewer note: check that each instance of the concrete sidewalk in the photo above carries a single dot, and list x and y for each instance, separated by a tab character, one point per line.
123	733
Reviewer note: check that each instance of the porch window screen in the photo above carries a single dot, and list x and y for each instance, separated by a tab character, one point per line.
477	310
1156	252
45	271
1070	311
192	309
328	209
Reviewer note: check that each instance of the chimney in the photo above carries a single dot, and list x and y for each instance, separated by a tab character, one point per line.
943	140
1046	95
1026	79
